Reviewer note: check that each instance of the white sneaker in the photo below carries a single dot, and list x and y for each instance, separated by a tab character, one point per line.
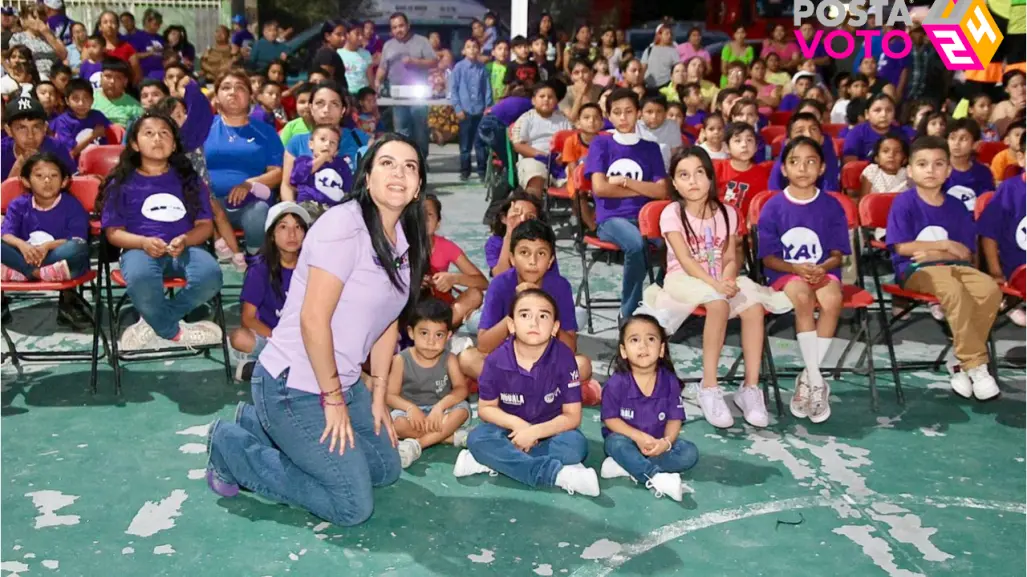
460	438
467	466
612	470
799	405
961	385
201	333
714	409
690	392
750	401
1018	316
409	451
937	312
819	402
666	484
136	337
984	385
578	479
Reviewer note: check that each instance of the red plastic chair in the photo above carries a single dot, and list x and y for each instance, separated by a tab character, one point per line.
851	173
777	145
832	130
839	145
982	203
10	189
781	117
986	151
100	160
1011	171
1017	285
115	133
772	132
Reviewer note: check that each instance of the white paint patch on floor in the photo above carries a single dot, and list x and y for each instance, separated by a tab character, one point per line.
486	556
876	548
769	445
51	564
294	557
545	570
601	549
321	526
127	551
195	474
193	448
838	460
153	517
13	566
29	556
48	503
163	550
932	431
196	431
888	422
909	529
562	544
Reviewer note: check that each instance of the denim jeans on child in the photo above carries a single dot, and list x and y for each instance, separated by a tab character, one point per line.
625	234
491	447
412	122
250	219
682	456
75	251
279	455
468	139
144	277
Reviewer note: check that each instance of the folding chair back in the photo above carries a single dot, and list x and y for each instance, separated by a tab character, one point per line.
85	189
987	151
780	117
559	139
982	203
833	130
851	173
649	218
1018	280
756	205
693	130
10	189
874	208
581	183
100	160
772	132
777	144
851	211
839	145
1011	171
115	134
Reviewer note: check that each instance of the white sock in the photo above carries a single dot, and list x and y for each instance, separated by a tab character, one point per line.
823	346
808	346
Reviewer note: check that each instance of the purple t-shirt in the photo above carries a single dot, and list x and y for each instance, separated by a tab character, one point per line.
153	206
623	400
199	117
66	219
509	109
494	247
239	37
58	148
91	71
640	161
339	244
890	69
142	41
789	102
259	114
257	291
502	290
1005	221
861	139
827	181
966	185
327	186
74	130
538	395
696	119
802	233
912	219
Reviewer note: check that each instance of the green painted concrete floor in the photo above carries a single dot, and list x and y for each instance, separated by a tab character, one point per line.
98	485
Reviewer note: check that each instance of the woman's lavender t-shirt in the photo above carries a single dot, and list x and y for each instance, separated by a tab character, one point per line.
623	400
538	395
65	219
966	185
327	186
1005	222
71	129
339	244
153	206
257	291
802	233
911	219
640	161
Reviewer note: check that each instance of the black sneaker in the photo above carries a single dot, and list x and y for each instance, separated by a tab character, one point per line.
244	371
67	318
465	177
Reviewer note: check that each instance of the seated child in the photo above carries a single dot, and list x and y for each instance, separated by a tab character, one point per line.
44	233
427	392
1007	158
532	248
654	126
25	122
321	179
857	88
575	150
535	134
695	115
517	208
369	119
303	122
969	178
712	138
267	282
626	173
1003	230
806	124
855	114
932	238
268	99
91	68
860	141
803	234
50	98
739	178
725	101
79	125
443	283
676	113
529	402
801	82
112	100
980	112
157	210
643	411
888	171
747	111
933	124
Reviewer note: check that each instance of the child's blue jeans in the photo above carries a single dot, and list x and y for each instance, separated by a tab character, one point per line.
75	251
625	234
468	139
491	447
144	279
682	456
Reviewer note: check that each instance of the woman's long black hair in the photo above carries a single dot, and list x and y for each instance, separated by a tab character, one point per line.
712	199
131	160
411	220
621	365
273	257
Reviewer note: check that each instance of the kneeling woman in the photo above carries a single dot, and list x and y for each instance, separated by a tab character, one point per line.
318	438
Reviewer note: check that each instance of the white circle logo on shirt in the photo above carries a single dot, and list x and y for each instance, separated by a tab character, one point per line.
328	182
933	234
965	195
625	167
40	237
551	397
661	416
163	207
94	79
83	135
1021	234
802	245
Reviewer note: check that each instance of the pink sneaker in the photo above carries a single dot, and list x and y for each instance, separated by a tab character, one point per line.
56	272
239	262
221	249
1019	317
8	274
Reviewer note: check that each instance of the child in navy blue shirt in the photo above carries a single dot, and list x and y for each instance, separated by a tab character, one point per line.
1003	229
969	178
471	94
80	125
267	282
803	235
156	209
321	178
643	412
529	402
932	238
